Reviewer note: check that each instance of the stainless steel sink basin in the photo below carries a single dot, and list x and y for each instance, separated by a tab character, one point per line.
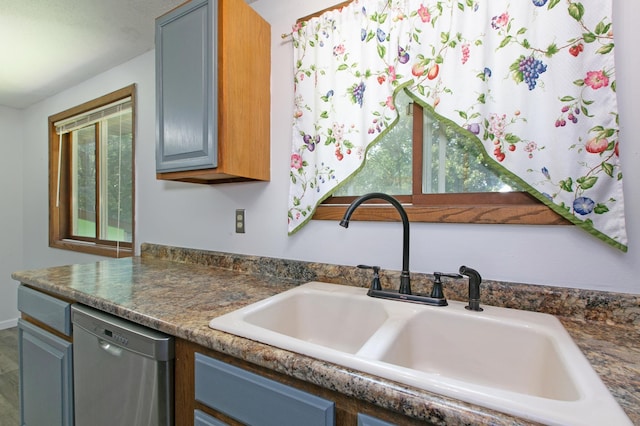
517	362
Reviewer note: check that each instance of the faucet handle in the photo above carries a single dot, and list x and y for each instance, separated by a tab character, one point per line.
375	282
436	290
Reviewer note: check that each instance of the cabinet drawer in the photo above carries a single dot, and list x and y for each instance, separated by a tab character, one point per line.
53	312
203	419
255	400
366	420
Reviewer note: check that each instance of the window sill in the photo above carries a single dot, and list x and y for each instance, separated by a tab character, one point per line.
91	248
483	214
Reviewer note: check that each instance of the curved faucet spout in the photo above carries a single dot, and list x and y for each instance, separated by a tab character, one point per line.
405	280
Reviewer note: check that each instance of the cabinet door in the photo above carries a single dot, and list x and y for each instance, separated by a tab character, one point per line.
46	394
186	88
256	400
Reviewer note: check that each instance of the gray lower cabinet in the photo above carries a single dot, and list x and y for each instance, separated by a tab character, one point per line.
46	360
367	420
255	400
203	419
46	380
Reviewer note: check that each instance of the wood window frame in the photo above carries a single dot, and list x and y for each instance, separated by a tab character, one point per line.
483	208
60	235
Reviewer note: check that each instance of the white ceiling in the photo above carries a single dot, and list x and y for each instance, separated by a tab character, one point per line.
47	46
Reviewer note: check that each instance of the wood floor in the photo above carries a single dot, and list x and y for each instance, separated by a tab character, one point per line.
9	415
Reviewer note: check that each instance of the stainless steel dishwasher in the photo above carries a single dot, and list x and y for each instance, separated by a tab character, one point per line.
123	372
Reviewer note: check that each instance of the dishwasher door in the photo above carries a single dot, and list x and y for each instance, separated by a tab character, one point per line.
123	372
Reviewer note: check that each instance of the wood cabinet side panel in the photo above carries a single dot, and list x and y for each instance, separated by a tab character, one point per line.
244	64
184	386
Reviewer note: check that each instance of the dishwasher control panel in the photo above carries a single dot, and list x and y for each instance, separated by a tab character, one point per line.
116	337
101	330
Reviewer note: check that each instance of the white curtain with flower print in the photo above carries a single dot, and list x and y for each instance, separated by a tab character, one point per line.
533	81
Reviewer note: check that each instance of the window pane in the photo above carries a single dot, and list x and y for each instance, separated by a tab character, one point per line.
83	182
453	164
389	162
84	177
116	178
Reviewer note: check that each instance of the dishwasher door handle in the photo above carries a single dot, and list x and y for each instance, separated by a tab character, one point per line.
110	348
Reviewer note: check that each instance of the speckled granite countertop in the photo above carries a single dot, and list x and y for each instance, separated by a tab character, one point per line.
178	291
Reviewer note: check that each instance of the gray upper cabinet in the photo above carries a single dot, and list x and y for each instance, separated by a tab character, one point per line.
186	88
212	93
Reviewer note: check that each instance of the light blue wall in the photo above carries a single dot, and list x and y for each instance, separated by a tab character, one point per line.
10	211
191	215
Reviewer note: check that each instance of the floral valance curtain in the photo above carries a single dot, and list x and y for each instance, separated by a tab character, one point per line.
532	81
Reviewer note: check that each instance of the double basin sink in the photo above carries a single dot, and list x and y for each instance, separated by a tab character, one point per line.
517	362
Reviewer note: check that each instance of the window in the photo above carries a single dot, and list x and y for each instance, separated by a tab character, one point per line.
91	179
428	166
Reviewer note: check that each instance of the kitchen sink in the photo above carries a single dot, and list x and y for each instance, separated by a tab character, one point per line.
314	318
518	362
517	356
